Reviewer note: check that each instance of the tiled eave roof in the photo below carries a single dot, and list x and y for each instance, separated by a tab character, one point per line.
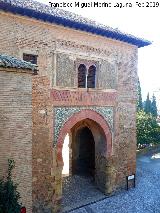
7	61
45	13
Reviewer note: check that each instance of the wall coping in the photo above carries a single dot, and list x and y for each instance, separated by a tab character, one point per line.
14	70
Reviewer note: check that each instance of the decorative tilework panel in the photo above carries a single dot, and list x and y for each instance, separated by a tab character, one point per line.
62	114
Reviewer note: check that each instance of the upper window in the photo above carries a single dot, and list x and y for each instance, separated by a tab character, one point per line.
82	71
86	77
30	58
91	77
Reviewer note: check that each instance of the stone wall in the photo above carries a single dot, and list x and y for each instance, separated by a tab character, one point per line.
148	150
16	129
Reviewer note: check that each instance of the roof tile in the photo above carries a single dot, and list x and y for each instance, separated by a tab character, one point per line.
12	62
61	17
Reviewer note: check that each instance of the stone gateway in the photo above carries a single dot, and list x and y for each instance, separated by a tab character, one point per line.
85	92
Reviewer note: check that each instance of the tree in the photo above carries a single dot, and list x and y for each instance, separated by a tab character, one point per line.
154	107
139	103
148	131
9	196
147	107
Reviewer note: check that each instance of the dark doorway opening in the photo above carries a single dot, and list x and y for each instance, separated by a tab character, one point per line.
86	148
85	161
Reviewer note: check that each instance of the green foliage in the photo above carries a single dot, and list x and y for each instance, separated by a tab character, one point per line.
148	131
151	106
154	107
139	103
147	107
9	196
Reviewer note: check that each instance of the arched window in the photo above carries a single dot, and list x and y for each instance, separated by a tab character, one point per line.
91	78
82	71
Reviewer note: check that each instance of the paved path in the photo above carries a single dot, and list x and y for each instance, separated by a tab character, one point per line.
145	198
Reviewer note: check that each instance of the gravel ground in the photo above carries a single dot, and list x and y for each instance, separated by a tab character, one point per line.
145	198
78	191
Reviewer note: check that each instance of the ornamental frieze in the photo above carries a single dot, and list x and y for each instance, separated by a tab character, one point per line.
69	45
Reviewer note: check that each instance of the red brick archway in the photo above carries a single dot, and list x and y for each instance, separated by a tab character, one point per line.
77	117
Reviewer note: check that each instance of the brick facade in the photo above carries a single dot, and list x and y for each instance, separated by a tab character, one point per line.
59	50
16	129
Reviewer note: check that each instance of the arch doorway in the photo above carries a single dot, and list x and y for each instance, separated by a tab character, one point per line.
86	175
83	153
86	141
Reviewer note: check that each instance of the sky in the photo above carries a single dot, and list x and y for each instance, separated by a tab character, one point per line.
136	20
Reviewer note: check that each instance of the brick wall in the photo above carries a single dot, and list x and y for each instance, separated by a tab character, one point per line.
125	119
82	97
16	129
42	151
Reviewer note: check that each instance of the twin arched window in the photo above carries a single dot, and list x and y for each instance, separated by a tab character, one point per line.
86	77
